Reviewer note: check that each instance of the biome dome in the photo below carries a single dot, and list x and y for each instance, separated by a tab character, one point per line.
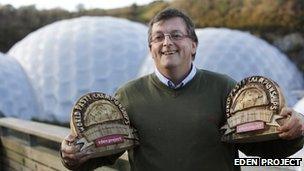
69	58
239	55
17	96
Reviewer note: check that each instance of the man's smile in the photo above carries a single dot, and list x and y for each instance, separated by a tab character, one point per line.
168	52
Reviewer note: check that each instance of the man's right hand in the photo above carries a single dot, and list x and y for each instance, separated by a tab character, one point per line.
71	154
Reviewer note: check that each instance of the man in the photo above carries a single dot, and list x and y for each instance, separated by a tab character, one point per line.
178	110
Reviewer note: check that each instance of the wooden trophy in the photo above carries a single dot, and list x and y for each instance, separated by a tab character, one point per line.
252	109
102	125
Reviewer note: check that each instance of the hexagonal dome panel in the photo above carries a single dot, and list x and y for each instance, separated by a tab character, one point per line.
239	55
17	95
71	57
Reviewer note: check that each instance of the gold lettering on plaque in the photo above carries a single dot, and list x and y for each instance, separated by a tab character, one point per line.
100	112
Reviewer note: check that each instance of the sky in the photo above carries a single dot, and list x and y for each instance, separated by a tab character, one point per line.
71	4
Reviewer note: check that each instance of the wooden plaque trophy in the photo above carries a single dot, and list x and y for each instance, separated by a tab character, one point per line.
252	111
102	125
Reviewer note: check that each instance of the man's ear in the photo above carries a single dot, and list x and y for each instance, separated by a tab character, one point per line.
150	51
194	47
150	54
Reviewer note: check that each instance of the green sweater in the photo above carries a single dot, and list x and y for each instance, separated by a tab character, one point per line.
179	129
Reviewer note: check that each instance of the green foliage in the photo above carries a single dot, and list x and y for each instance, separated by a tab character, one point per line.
258	16
17	23
147	12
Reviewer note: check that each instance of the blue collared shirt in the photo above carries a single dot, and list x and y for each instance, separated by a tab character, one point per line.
170	84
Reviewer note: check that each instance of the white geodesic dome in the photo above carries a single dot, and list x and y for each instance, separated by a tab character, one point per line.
239	55
69	58
299	106
17	96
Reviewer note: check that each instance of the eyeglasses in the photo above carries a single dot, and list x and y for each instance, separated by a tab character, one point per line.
174	36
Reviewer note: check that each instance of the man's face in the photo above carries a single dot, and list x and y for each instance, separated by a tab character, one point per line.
172	54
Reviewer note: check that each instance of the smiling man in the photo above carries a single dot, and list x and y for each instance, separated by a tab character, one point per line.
179	109
172	48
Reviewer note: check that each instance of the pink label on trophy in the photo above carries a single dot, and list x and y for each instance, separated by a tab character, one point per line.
251	126
109	140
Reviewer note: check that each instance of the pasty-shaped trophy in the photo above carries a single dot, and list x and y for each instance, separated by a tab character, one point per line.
102	125
252	109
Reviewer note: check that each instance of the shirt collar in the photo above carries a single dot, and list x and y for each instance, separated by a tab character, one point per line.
170	84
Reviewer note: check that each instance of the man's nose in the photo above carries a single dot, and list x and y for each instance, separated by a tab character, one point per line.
167	40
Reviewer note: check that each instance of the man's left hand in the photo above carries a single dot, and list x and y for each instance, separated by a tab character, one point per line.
294	127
